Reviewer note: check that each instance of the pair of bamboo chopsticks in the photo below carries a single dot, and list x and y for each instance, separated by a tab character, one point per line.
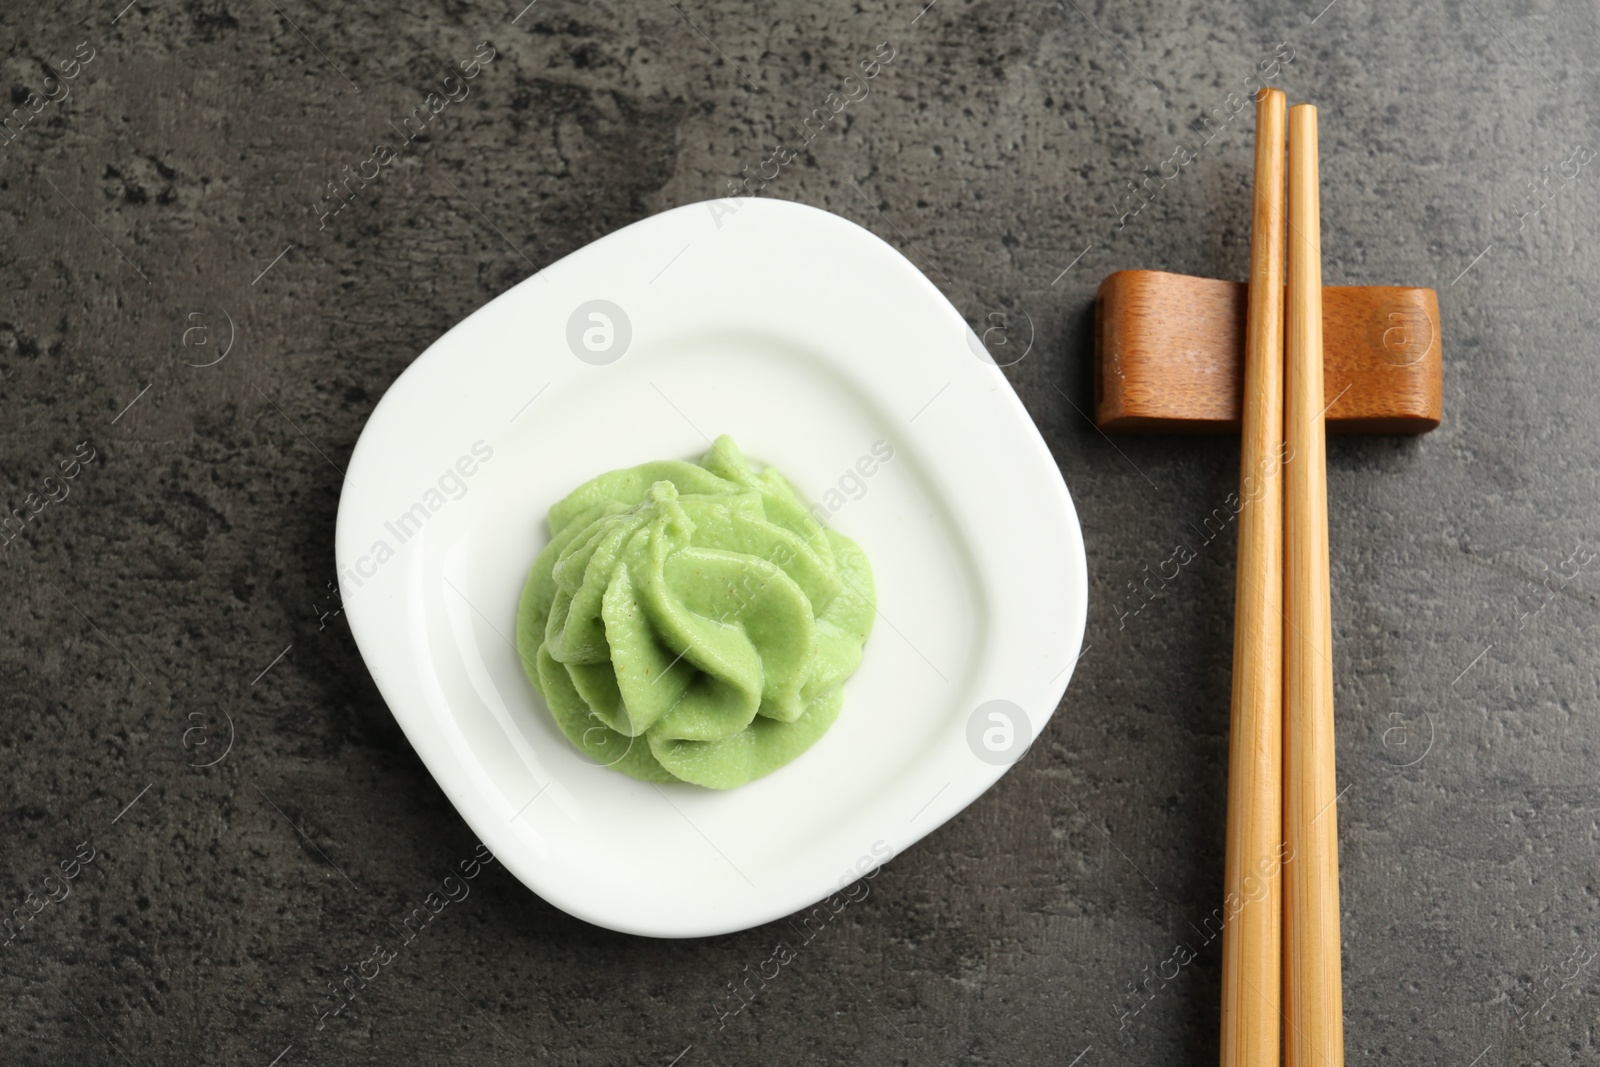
1280	945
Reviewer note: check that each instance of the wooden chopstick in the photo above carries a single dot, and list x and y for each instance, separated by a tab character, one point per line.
1312	986
1251	945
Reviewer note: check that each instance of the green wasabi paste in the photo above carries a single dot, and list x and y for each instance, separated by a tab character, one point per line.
693	622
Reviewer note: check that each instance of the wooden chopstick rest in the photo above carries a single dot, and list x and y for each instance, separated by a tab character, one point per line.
1169	356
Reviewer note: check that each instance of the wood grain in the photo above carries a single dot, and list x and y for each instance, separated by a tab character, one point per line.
1312	984
1169	356
1252	889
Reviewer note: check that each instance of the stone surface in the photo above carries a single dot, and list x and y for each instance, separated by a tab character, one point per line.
195	548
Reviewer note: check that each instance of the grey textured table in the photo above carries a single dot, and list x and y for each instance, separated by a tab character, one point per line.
170	194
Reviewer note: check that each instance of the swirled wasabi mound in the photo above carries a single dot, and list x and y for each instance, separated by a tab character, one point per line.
693	622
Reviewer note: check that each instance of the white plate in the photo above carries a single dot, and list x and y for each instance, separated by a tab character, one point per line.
809	340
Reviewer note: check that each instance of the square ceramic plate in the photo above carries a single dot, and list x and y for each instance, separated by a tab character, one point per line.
822	351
